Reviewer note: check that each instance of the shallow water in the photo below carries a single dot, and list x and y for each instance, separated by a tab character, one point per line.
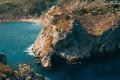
16	37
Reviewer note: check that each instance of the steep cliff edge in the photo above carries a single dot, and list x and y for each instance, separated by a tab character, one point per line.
64	36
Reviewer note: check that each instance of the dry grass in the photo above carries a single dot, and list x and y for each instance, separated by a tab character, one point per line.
58	10
47	43
96	25
64	24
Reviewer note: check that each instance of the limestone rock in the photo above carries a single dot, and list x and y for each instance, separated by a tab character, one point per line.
27	73
62	35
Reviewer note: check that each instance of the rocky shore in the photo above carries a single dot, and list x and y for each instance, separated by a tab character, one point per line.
25	71
27	20
63	36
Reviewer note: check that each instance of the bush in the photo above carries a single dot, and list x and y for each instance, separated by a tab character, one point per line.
80	12
115	5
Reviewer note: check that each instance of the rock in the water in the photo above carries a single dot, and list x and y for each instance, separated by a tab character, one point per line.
3	58
27	73
6	73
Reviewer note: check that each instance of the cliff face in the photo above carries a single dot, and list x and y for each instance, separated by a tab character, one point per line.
62	35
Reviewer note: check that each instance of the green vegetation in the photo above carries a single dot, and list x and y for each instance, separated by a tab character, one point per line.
107	9
111	8
15	9
80	11
96	16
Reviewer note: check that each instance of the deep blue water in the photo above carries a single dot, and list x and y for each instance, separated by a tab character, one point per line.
16	37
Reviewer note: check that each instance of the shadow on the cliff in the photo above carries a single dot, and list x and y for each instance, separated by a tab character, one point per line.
101	65
107	66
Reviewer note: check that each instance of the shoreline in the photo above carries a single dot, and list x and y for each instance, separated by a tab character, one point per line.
32	20
38	20
29	50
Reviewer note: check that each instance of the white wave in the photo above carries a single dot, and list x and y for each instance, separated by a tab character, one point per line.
46	78
29	50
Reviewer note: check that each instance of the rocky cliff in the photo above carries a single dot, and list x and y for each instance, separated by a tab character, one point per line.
63	36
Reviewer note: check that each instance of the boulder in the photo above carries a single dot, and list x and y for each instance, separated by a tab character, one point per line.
27	73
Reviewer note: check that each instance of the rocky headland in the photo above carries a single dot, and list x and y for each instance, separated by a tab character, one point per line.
65	37
73	31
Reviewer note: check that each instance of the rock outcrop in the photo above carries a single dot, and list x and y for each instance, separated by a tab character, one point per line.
6	73
27	73
3	58
63	36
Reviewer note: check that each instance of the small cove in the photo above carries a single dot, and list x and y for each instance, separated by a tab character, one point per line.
16	37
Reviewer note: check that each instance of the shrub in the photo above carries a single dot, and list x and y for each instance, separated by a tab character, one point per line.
80	11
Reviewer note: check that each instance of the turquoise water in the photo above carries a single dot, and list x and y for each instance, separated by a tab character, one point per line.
16	37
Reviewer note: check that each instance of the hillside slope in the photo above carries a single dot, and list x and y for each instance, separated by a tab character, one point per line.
17	9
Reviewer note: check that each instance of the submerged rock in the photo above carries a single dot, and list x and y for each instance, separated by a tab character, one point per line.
27	73
63	36
3	58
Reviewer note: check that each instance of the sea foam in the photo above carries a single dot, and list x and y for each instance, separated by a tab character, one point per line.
29	50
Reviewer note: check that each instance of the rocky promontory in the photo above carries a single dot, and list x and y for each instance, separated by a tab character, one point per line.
63	36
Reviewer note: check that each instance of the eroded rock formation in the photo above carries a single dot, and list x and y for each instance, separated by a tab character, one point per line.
62	35
27	73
